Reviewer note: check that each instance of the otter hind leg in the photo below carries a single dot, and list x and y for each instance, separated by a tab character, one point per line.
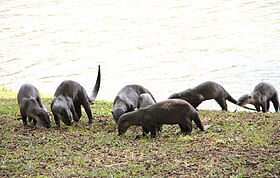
186	128
275	101
78	110
145	131
264	106
268	105
222	103
258	108
88	112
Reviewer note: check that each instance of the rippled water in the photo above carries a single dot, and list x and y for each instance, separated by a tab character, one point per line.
166	46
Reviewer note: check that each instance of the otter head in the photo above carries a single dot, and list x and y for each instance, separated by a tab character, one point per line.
253	98
175	96
117	112
244	99
190	96
43	118
63	113
123	124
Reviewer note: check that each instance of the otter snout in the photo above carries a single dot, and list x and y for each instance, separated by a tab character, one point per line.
65	115
243	100
43	119
174	96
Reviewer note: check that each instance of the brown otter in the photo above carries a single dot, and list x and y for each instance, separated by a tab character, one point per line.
145	99
68	98
127	100
32	106
171	111
206	91
262	94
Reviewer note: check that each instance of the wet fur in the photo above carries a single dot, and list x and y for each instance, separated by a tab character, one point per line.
261	96
31	106
68	99
127	100
172	111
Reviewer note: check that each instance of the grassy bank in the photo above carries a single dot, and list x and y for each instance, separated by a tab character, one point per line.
237	144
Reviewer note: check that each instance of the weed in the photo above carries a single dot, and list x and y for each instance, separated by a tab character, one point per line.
241	144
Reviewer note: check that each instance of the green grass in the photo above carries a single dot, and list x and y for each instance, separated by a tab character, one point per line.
241	144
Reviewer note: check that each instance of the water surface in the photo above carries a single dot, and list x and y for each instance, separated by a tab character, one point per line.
166	46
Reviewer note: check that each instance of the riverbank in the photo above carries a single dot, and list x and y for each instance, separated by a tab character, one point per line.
241	144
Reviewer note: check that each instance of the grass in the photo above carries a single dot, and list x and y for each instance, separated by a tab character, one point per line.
240	144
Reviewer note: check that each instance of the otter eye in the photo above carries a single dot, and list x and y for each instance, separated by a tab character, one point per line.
249	97
123	121
38	115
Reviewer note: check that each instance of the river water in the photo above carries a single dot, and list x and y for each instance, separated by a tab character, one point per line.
166	46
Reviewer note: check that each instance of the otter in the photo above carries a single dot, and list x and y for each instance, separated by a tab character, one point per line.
31	106
127	100
145	99
206	91
68	99
171	111
262	94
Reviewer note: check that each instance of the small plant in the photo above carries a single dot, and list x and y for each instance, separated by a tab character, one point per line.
241	144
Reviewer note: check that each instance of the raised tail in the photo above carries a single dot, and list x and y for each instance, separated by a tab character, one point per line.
96	87
231	99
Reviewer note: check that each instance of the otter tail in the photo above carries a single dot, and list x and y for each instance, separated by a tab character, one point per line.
197	122
231	99
96	87
153	97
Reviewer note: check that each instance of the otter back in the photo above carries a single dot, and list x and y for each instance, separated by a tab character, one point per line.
206	91
172	111
31	106
127	100
261	96
68	99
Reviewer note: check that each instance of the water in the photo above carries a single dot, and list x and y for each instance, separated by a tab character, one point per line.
166	46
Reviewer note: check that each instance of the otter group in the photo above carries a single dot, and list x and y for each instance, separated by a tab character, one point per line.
135	105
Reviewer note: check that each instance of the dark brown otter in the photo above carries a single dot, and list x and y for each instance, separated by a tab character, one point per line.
127	100
171	111
68	99
262	94
206	91
31	106
145	99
